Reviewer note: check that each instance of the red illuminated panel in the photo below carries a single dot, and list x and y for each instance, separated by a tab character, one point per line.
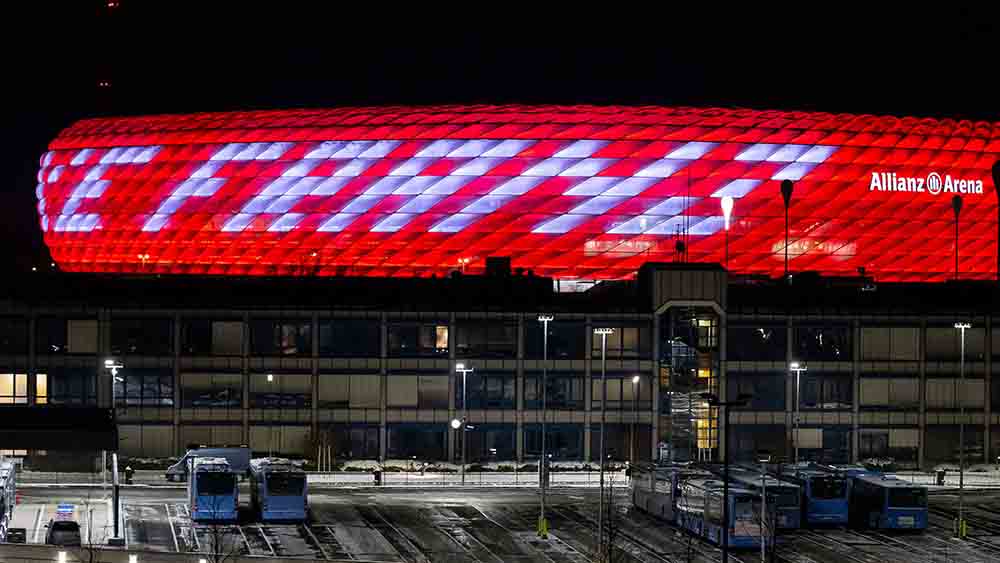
569	192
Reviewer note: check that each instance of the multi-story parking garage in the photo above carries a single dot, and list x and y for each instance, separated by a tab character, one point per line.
366	366
366	212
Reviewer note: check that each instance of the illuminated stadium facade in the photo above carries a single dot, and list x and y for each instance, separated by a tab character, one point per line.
337	265
567	192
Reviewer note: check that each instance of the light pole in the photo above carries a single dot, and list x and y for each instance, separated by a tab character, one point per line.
961	426
112	366
460	367
603	332
713	401
270	426
764	459
727	212
798	369
635	414
543	524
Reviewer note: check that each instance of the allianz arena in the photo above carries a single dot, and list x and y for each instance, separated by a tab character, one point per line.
575	192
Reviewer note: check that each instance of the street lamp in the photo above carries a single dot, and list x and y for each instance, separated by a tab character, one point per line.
635	415
798	369
603	332
460	367
270	432
961	420
727	212
713	401
764	459
543	524
112	366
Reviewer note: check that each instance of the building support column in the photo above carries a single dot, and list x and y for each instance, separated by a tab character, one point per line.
856	388
588	389
176	411
988	392
519	392
452	388
314	411
383	387
654	393
790	397
922	420
245	378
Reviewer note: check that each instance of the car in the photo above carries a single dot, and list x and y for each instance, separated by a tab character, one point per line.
63	533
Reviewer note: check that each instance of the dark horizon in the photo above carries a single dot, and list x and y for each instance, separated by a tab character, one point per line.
199	59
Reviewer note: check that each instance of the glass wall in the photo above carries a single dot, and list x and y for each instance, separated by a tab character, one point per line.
142	336
486	339
487	390
205	337
565	390
281	337
489	443
757	342
356	391
13	388
622	392
352	441
828	391
66	386
66	336
767	388
13	335
145	387
944	344
830	342
562	441
630	340
567	339
412	339
418	442
212	390
281	390
425	391
350	338
885	343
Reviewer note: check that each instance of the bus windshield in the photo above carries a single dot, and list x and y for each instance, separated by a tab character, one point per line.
825	488
907	498
285	484
216	484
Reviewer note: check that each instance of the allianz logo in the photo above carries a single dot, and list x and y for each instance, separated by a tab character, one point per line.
933	183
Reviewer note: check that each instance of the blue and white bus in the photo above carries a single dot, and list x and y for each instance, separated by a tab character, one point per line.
278	490
886	503
213	490
782	497
824	494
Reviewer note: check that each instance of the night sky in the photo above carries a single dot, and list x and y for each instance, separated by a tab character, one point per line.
180	56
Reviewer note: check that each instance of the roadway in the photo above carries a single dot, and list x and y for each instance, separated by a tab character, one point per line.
491	525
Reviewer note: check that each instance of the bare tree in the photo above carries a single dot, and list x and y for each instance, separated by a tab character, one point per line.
224	540
684	520
608	551
92	541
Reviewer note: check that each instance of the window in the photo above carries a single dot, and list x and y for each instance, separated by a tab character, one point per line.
350	338
417	391
281	338
757	342
13	388
208	337
567	339
280	390
490	443
767	389
13	336
409	340
66	386
907	498
833	391
145	387
211	390
486	339
877	393
352	441
830	343
890	343
944	344
562	441
355	391
487	390
417	442
629	340
62	336
565	391
141	336
622	394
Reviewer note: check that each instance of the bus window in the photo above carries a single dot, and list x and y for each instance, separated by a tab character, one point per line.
785	499
825	488
907	498
215	484
283	484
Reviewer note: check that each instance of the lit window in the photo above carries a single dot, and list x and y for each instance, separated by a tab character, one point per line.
13	389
